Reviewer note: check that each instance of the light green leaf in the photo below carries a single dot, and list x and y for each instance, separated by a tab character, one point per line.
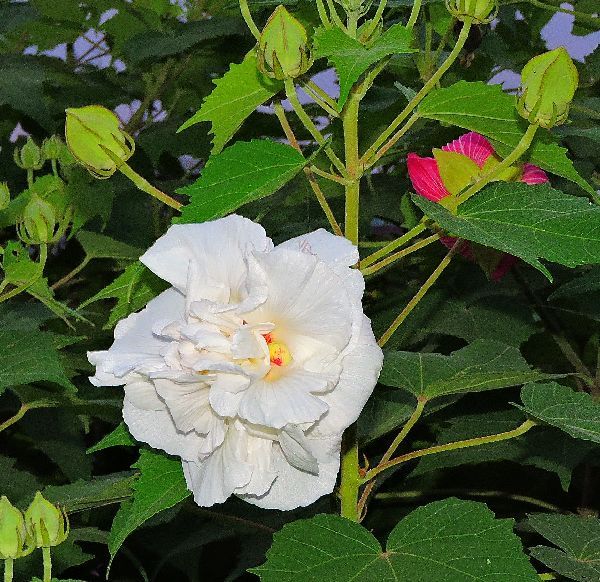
118	437
576	413
242	173
235	96
100	246
27	357
486	109
161	485
449	540
351	58
579	541
132	290
482	365
530	222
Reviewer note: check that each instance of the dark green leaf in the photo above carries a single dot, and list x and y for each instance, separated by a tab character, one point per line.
242	173
530	222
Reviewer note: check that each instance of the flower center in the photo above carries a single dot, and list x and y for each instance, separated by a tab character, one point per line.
279	353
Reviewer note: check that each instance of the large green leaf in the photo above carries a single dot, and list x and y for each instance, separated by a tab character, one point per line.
27	357
351	58
482	365
577	413
447	541
235	96
242	173
161	485
530	222
579	541
132	290
586	283
486	109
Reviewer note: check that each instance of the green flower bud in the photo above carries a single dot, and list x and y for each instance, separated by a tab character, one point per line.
479	11
51	148
4	195
14	538
283	51
37	224
96	140
48	524
548	84
29	157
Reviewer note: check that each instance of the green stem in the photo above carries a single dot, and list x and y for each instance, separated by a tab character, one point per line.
335	16
414	14
352	26
393	245
145	186
8	569
519	150
331	177
353	166
311	91
409	495
399	255
249	20
392	141
371	27
323	14
29	178
582	16
548	576
322	94
71	274
47	557
462	39
290	92
414	418
420	294
13	419
463	444
350	476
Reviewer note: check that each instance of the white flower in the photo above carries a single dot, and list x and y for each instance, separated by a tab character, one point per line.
252	365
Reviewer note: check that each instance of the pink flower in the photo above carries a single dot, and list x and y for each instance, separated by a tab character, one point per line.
427	181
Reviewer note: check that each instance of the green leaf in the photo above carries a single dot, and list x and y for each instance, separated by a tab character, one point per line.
530	222
579	541
235	97
16	483
132	290
586	283
545	448
242	173
93	493
27	357
482	365
100	246
161	485
118	437
486	109
576	413
351	58
449	540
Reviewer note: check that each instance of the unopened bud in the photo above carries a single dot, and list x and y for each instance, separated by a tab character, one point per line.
41	223
48	524
283	51
478	11
548	85
51	148
14	538
96	140
29	157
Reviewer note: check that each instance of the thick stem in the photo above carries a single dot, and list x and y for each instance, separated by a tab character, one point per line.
414	418
350	476
8	569
290	92
353	166
393	245
420	294
519	150
399	255
142	184
249	20
475	442
47	557
462	39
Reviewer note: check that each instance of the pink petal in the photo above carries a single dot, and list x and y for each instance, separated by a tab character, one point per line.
473	145
504	266
533	175
425	177
466	250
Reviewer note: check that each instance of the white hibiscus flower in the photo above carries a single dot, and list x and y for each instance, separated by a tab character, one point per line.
252	365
